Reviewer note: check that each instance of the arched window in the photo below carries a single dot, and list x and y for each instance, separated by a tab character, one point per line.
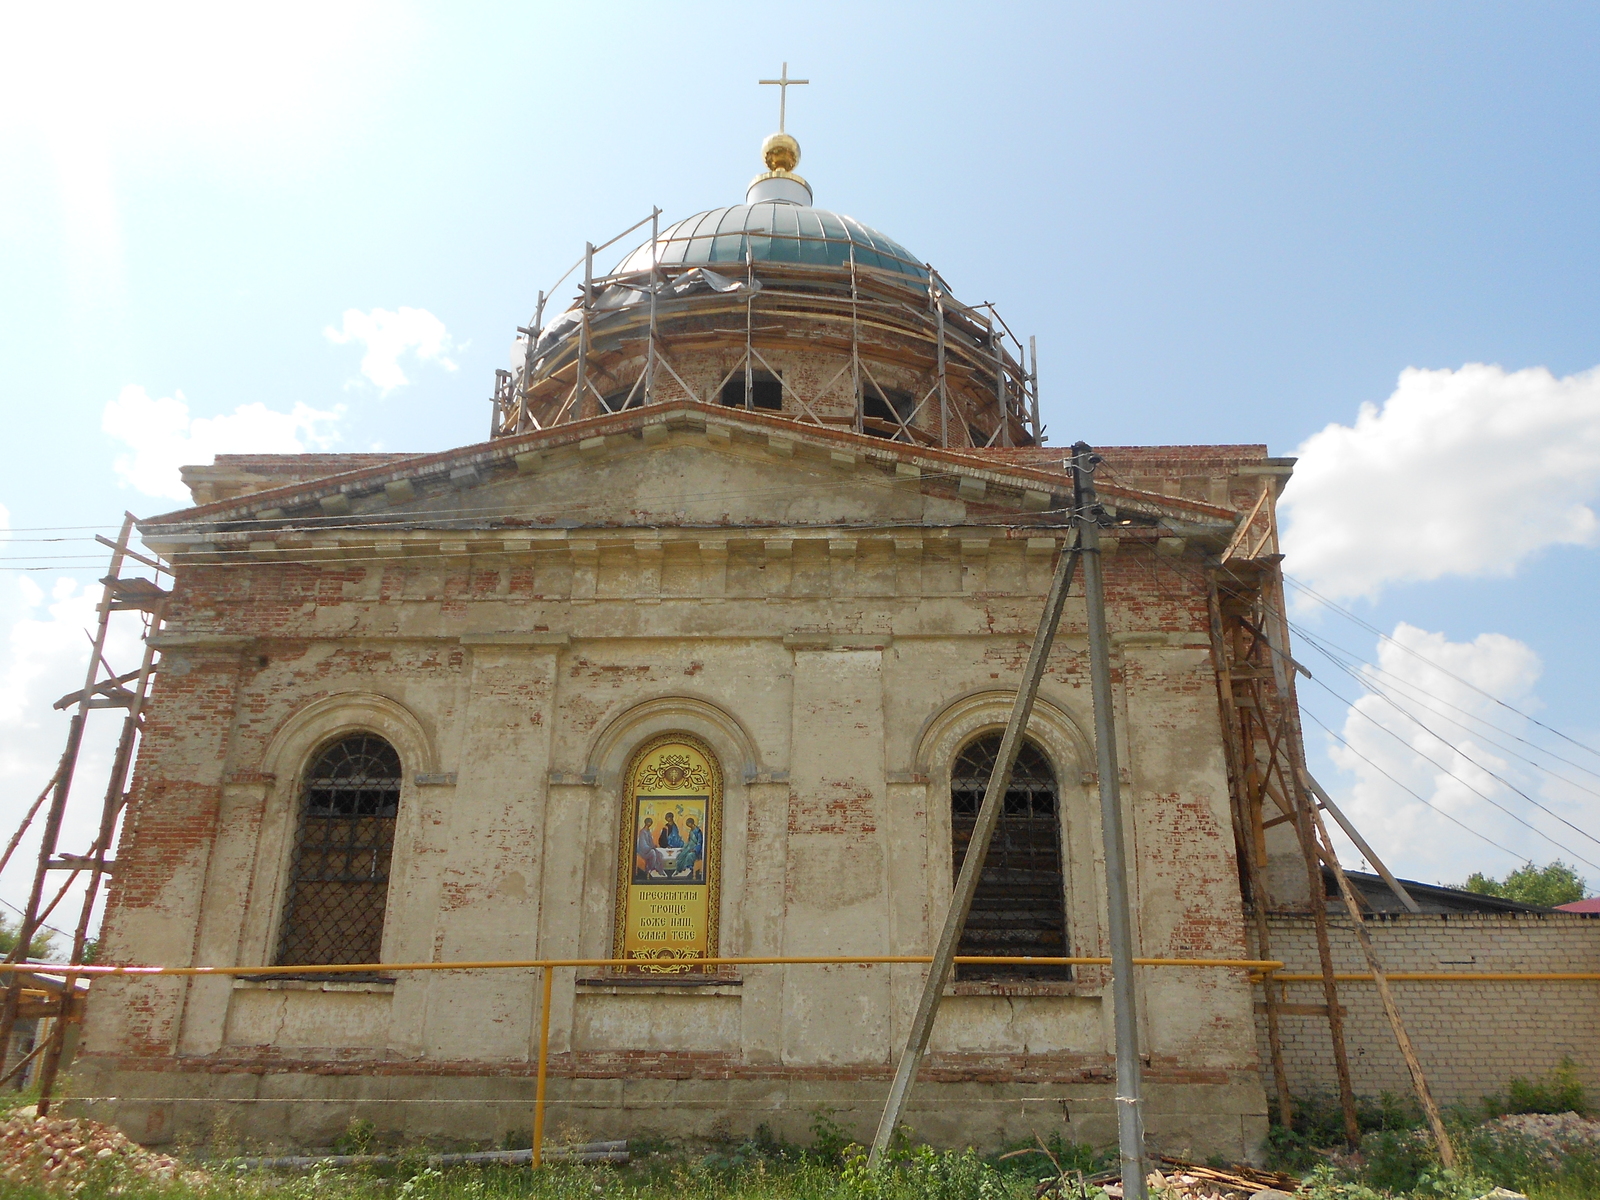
1020	905
339	870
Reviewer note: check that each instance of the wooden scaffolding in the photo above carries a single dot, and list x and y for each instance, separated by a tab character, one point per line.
54	990
1270	786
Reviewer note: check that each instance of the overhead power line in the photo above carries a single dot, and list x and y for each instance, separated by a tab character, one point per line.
1490	771
1348	615
1414	795
1399	682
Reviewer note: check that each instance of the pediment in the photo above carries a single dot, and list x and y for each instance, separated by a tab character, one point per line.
684	466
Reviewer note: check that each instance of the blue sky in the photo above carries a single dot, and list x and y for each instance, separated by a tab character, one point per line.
1224	223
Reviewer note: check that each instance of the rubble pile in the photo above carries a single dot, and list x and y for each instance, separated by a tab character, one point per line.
63	1154
1550	1135
1190	1181
1562	1129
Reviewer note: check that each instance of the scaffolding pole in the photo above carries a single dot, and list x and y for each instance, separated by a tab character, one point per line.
855	345
944	390
655	278
1033	388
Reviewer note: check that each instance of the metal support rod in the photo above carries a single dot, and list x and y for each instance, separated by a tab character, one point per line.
955	920
749	320
533	332
1033	387
944	390
583	330
655	280
544	1065
1419	1081
1354	835
855	344
1000	386
1119	921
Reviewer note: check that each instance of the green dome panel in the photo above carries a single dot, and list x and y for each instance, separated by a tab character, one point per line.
774	232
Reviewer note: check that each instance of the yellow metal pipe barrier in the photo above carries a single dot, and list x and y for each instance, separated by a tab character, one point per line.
548	966
544	1062
1449	976
1258	968
95	970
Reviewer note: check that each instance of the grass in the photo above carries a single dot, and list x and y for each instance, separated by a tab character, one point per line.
764	1167
1396	1161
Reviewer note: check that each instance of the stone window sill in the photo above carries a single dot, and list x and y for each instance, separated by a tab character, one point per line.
1043	987
382	987
700	985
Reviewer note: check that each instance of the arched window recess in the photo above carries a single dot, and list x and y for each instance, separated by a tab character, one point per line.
1020	904
339	865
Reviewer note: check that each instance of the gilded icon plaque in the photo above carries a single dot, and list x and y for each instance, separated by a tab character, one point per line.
669	867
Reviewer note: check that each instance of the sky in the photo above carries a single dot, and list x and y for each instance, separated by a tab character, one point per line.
1363	234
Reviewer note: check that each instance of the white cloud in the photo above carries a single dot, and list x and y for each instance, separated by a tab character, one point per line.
388	336
161	436
1470	737
1466	472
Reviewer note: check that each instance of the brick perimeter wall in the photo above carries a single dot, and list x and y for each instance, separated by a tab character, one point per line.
1471	1037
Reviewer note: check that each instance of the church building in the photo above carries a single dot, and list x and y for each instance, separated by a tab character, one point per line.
704	653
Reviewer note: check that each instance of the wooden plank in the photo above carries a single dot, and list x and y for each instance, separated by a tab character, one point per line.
1300	1010
1419	1081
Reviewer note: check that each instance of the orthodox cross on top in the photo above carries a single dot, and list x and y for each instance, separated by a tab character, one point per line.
783	84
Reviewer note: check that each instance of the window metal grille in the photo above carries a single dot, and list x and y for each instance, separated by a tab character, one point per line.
339	872
1020	904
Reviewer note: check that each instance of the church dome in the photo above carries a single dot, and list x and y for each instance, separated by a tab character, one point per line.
775	231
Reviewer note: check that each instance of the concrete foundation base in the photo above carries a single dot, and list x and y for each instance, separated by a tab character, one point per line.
178	1100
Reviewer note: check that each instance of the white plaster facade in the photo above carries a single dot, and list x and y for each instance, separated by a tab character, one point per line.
835	617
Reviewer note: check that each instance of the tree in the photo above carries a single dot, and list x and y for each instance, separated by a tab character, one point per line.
1549	886
38	948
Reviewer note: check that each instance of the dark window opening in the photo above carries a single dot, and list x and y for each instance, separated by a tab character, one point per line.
766	391
339	869
620	399
879	412
1020	905
977	436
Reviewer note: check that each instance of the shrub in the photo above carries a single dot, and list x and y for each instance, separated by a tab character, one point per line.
1558	1092
829	1141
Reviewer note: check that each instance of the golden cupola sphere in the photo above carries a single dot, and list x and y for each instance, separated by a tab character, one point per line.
780	152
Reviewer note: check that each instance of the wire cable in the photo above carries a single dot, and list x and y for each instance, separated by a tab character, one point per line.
1346	613
1399	682
1490	771
1350	706
1414	795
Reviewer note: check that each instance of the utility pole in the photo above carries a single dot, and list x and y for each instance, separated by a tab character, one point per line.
972	865
1130	1116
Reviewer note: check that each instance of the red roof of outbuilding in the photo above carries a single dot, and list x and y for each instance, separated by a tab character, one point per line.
1592	904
